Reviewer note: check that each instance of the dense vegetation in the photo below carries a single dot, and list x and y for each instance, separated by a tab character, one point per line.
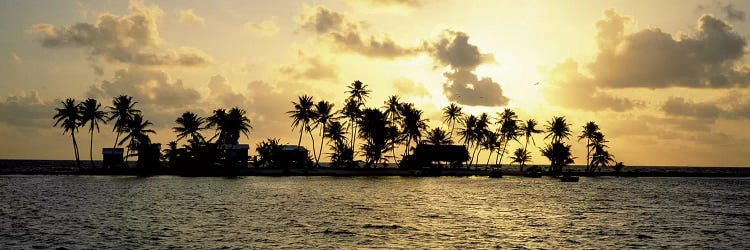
355	131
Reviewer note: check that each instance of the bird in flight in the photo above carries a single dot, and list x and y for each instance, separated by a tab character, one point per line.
537	83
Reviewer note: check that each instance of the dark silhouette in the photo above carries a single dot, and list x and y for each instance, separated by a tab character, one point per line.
69	119
508	130
557	152
412	125
521	157
323	115
451	115
303	115
91	114
269	153
393	113
437	136
378	133
528	130
229	125
122	111
358	93
137	137
588	132
190	124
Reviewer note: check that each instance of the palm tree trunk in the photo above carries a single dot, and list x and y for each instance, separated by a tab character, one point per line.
502	153
75	149
476	147
312	139
91	145
320	152
489	157
588	154
524	151
116	139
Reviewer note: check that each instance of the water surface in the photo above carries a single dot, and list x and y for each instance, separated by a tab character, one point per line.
392	212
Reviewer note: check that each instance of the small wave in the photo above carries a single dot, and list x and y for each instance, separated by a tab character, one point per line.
377	226
338	232
643	237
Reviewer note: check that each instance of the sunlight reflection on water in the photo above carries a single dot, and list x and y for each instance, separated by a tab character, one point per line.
391	212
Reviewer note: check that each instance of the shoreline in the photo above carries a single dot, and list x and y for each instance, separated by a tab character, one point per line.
66	167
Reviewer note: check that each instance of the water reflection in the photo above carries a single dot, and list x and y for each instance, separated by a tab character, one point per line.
303	212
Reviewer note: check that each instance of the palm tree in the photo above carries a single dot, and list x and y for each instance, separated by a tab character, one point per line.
557	129
378	133
452	114
437	136
479	134
508	130
138	131
557	152
91	114
412	125
528	130
467	133
323	115
559	156
588	132
393	112
302	115
521	157
601	157
352	110
358	93
122	110
229	125
190	124
335	131
491	142
69	119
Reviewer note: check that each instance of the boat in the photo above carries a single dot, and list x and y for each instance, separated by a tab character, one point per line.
568	178
496	174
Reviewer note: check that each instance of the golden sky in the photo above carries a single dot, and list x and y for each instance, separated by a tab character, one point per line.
667	81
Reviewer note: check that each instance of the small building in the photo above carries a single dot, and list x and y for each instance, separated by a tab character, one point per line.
293	155
431	154
236	154
112	157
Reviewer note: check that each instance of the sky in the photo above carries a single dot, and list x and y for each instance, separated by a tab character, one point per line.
667	81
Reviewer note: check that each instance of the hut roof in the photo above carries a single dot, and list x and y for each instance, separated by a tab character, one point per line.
450	153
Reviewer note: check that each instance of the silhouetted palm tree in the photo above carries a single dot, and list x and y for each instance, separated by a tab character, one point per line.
452	114
122	110
528	130
190	124
138	131
412	125
335	131
559	156
69	119
601	157
588	133
302	115
468	133
352	110
491	142
509	130
378	133
91	114
437	136
393	113
229	125
323	115
521	157
358	93
557	129
480	132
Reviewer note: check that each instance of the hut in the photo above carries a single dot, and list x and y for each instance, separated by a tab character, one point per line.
112	157
293	155
429	155
236	155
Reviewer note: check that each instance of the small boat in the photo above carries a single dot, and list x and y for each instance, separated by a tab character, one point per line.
568	178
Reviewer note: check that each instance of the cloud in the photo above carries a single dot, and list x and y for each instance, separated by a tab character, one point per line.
311	68
347	35
651	58
263	28
466	88
733	14
132	38
221	92
678	106
148	86
189	17
566	86
408	87
452	49
735	106
26	109
404	3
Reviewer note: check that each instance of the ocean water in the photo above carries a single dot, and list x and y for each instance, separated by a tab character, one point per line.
78	212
